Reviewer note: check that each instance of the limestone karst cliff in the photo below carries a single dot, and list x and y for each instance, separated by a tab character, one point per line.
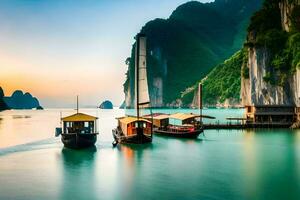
20	100
106	105
270	75
286	12
274	59
185	47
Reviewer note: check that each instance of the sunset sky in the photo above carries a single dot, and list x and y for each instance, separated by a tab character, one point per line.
56	49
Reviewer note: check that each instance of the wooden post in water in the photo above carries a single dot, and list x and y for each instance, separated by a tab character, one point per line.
200	101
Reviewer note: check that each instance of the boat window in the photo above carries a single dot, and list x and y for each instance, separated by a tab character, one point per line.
249	109
86	124
144	125
136	124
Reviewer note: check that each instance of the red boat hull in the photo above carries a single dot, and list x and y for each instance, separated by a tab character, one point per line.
190	134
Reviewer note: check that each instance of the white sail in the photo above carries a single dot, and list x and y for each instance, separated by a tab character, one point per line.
142	93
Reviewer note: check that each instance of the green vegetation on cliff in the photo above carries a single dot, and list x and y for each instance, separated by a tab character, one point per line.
222	83
265	31
187	45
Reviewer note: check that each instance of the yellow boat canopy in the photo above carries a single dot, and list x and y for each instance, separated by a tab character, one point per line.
128	120
79	117
160	117
183	116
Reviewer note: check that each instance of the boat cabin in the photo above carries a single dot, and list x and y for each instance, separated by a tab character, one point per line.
129	125
271	114
158	119
79	123
180	119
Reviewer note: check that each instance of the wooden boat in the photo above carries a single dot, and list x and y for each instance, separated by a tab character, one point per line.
181	132
133	131
78	130
136	130
181	125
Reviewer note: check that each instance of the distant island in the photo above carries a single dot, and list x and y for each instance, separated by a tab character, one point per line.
106	105
18	100
3	105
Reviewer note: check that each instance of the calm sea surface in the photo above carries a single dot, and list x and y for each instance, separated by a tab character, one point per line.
262	164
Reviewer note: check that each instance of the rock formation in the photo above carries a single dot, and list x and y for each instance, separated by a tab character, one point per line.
106	105
3	105
274	74
20	100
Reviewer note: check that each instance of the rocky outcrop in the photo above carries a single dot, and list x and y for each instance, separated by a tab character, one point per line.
296	88
257	89
261	92
39	108
20	100
245	91
106	105
286	9
3	105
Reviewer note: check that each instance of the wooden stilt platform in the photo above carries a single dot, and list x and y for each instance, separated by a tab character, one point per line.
246	126
223	126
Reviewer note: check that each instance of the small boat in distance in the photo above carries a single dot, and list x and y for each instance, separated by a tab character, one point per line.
137	130
78	130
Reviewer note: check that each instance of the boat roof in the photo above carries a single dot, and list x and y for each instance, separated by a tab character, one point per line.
79	117
163	116
128	120
182	116
158	116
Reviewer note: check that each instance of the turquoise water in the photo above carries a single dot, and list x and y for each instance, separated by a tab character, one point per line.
263	164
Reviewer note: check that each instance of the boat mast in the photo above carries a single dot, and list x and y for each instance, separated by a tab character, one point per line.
77	106
141	81
137	64
200	100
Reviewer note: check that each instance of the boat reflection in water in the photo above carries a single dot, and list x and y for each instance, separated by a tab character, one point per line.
78	174
134	161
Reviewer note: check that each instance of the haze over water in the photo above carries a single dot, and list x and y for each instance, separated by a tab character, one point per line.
47	46
262	164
